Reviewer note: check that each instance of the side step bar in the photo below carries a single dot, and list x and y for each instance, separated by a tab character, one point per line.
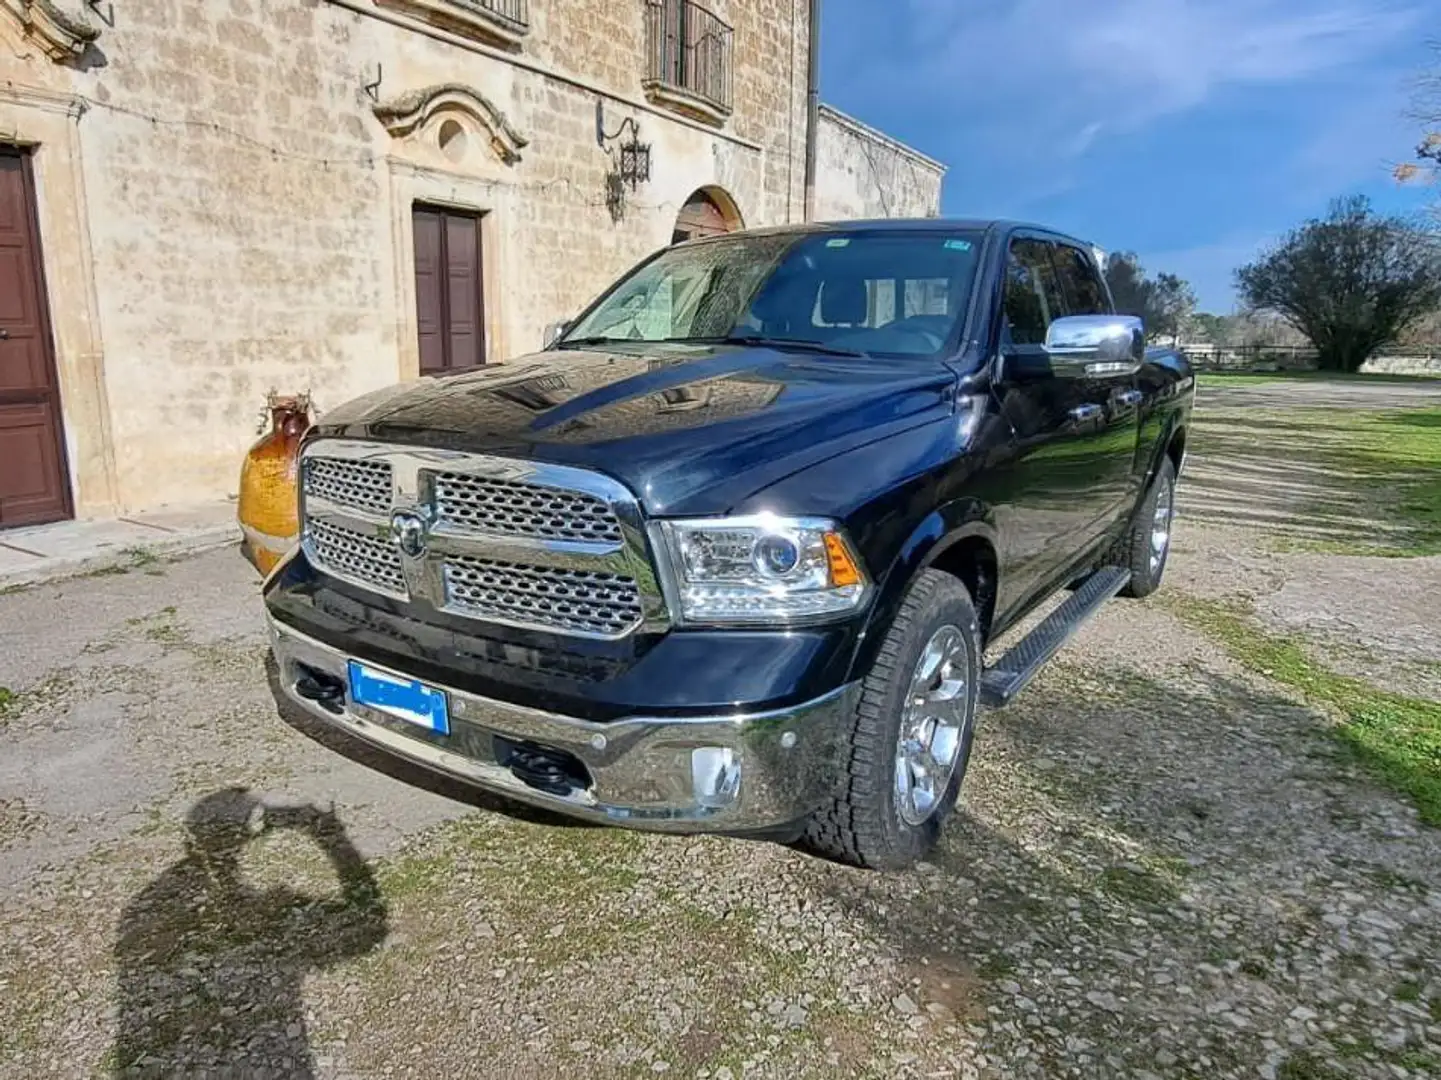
1010	674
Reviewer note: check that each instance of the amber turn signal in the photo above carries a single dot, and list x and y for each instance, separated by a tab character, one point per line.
844	570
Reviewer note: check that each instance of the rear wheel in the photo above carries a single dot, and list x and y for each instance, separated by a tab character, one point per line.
911	733
1147	545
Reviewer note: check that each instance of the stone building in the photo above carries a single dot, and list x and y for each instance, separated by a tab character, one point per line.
864	173
202	201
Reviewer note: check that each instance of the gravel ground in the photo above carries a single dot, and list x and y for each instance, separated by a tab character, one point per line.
1162	867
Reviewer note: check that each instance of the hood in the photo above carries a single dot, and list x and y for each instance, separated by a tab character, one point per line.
689	429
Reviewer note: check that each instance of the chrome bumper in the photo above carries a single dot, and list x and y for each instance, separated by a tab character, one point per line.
743	772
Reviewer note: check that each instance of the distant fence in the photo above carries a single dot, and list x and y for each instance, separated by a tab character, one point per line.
1413	360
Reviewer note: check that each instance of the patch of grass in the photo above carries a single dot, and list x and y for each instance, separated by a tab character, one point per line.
1397	737
105	571
140	556
8	698
1303	1066
1434	1007
1137	886
1407	990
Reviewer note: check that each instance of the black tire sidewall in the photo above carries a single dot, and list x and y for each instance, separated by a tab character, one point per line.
946	603
1144	579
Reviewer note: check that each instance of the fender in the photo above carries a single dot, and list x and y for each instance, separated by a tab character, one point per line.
937	532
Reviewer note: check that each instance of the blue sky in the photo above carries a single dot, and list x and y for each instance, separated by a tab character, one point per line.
1190	131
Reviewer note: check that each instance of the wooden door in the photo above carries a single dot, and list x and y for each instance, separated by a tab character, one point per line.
33	484
449	297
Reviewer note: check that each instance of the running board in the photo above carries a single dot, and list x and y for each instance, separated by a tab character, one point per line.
1009	676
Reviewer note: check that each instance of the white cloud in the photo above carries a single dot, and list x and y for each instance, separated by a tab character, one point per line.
1062	63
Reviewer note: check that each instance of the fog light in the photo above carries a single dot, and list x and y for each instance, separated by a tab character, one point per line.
715	776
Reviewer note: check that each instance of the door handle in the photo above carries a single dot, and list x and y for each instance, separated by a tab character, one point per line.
1130	397
1082	413
4	334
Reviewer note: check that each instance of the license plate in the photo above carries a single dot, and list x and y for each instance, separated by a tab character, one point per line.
400	697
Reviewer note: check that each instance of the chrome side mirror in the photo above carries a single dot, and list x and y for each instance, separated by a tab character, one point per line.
1096	344
552	334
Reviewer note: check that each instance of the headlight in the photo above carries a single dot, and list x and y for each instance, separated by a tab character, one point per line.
759	570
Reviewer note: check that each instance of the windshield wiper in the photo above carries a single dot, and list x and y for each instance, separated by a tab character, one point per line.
596	339
761	340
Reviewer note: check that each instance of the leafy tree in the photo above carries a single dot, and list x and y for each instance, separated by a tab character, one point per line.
1164	302
1351	282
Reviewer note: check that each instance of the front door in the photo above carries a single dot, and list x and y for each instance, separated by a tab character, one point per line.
450	306
1050	497
33	486
1115	479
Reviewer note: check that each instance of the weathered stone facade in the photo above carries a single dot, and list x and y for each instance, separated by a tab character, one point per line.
225	193
864	173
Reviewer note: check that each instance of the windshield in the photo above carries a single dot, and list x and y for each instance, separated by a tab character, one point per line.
896	293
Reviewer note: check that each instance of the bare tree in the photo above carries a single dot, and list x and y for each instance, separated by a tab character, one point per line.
1351	282
1426	111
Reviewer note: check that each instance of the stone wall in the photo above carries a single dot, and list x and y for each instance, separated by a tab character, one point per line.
864	173
225	194
223	212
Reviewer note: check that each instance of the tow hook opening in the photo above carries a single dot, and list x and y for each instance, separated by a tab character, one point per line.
553	771
321	687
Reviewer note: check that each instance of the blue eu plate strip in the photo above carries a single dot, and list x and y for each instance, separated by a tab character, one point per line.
395	695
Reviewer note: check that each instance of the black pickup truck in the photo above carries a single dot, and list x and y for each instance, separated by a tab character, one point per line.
727	555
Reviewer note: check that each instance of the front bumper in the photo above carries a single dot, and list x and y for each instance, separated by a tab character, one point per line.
747	772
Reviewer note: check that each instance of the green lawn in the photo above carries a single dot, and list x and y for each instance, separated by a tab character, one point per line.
1252	378
1401	452
1381	470
1397	737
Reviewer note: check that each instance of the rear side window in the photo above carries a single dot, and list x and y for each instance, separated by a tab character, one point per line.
1085	293
1033	294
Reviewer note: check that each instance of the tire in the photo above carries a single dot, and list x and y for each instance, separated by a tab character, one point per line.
870	822
1137	551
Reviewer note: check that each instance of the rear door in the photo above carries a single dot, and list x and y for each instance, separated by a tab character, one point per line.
1114	479
33	485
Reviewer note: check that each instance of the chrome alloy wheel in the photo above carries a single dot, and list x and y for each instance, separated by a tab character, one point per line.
933	726
1161	523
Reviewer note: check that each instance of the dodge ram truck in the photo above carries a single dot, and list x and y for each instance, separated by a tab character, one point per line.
731	552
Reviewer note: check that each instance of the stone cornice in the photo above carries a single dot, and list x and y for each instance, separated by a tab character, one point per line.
410	111
61	35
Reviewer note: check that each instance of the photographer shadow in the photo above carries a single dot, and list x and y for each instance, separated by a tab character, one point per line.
210	968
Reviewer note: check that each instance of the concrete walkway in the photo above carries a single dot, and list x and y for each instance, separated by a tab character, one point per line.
47	552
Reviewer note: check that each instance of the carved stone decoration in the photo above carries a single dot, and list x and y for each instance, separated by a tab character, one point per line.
488	21
416	109
60	35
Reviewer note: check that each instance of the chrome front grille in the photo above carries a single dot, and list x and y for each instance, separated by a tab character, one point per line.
583	601
505	508
359	557
523	544
361	485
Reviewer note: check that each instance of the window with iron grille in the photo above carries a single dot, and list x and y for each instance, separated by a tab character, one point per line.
689	57
502	22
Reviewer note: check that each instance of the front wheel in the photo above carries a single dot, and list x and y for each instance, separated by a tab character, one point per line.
911	733
1147	544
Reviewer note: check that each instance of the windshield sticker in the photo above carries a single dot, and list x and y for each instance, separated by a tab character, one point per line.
958	245
838	243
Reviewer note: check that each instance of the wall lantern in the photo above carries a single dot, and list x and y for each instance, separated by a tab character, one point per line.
633	166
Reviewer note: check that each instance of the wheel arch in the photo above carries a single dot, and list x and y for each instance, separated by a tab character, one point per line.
958	539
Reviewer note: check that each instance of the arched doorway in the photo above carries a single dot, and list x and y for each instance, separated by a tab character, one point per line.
708	212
